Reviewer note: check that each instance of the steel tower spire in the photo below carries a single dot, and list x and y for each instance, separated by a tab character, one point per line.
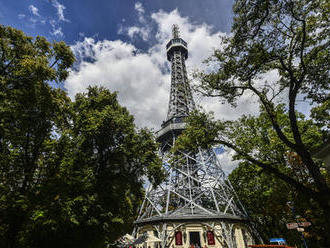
181	101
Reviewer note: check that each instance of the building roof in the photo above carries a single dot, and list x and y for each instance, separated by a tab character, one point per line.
187	218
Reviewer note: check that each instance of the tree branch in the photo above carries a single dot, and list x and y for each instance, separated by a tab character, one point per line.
262	20
54	63
269	168
293	91
303	40
270	112
287	69
6	67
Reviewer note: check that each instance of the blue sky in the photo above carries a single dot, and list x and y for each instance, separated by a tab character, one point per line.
74	19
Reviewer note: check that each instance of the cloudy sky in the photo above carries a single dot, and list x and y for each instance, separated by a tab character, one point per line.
120	44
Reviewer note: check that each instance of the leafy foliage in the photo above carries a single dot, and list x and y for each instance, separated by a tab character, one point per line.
290	38
28	111
263	197
71	172
267	171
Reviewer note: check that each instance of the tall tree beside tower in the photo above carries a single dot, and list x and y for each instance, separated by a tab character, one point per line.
291	38
71	173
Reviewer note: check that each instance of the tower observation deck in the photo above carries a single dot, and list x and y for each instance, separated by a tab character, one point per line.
181	102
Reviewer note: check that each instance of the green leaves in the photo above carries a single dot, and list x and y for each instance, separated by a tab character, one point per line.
202	131
37	214
71	172
263	198
289	38
274	35
63	59
267	166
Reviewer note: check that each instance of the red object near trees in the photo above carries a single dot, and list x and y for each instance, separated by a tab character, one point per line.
178	238
210	238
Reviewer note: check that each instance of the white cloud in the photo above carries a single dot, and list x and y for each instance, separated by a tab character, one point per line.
119	67
60	10
144	28
139	8
143	78
33	19
34	10
21	16
142	32
56	30
226	162
140	11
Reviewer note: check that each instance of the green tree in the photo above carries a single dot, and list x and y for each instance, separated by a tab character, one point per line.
266	196
289	37
29	114
100	165
117	156
263	189
263	198
71	172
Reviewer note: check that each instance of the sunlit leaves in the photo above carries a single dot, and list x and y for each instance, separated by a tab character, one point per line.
71	173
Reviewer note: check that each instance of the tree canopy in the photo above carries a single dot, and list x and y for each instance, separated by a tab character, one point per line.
290	38
71	171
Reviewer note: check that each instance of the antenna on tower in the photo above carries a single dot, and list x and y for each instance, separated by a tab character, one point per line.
175	31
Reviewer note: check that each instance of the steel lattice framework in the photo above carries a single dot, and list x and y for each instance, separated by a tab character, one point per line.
196	188
195	185
181	101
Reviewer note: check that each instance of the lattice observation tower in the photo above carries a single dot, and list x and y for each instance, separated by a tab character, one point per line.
196	204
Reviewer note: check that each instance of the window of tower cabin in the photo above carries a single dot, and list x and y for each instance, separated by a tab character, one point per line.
210	238
178	238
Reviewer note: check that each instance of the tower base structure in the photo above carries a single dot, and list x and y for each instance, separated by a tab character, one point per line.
196	206
198	232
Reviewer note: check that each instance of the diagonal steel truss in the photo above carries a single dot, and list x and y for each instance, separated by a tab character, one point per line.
196	186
